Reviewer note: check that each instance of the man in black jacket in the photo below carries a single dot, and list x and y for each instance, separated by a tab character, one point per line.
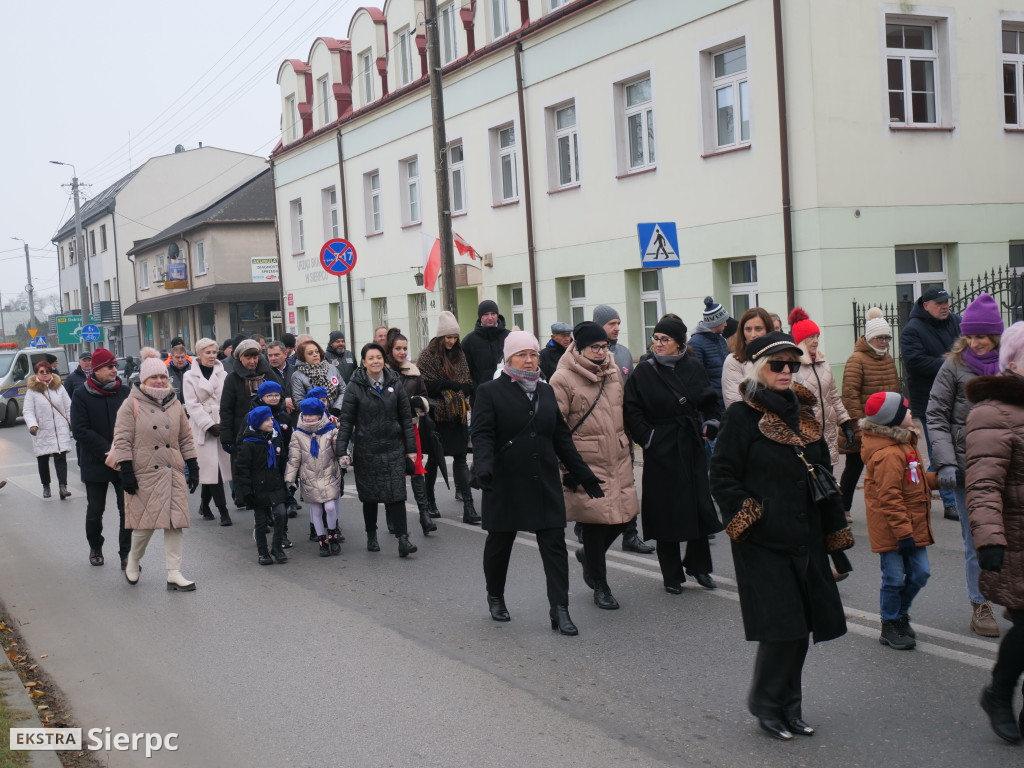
93	412
561	337
176	367
339	357
483	345
78	376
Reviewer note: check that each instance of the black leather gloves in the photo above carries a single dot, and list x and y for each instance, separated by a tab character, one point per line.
193	474
129	483
593	488
990	557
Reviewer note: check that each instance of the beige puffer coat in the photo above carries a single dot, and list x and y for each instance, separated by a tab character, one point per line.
867	372
319	477
601	440
818	378
156	438
733	373
995	481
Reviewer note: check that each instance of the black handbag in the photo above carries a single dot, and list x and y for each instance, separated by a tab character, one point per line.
820	481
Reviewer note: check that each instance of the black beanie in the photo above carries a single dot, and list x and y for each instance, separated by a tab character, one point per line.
674	328
587	333
335	335
486	306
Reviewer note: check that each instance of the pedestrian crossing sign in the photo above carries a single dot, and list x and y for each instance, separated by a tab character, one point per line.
659	245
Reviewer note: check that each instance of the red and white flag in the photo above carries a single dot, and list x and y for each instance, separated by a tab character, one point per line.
432	257
464	248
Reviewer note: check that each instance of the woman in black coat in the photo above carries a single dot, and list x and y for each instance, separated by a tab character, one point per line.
780	539
670	409
519	436
376	415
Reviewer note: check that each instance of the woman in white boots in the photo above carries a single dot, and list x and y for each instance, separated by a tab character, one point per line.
152	446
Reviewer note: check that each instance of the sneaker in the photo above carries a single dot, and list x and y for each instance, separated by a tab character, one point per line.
983	622
893	636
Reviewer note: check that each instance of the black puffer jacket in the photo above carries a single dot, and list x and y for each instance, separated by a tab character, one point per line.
381	426
483	348
255	482
236	400
175	374
924	341
74	380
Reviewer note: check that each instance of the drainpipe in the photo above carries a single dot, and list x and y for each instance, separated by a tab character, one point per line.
344	223
277	245
787	213
527	198
117	275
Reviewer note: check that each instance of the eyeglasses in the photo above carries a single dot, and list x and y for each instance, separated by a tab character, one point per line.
598	348
778	366
886	339
661	339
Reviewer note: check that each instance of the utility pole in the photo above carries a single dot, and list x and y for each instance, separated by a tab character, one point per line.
444	214
29	289
83	291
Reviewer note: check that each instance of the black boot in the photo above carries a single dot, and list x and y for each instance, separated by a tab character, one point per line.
496	605
1000	715
372	545
325	547
405	547
261	545
469	515
334	541
225	519
46	490
560	620
64	492
603	597
205	512
419	492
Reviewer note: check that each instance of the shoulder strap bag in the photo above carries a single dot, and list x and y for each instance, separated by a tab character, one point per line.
820	481
567	479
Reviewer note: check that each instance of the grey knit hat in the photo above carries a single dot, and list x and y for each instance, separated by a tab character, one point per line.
604	314
447	325
714	313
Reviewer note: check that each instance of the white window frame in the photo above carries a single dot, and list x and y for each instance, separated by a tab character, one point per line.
293	118
1014	61
624	113
412	207
577	304
371	192
648	297
421	316
366	75
499	18
199	258
917	280
406	72
518	305
323	89
906	57
144	275
298	227
943	58
555	4
92	242
457	176
504	164
737	85
103	237
747	288
563	141
379	308
330	209
448	32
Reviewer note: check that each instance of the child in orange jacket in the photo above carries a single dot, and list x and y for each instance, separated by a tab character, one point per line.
898	499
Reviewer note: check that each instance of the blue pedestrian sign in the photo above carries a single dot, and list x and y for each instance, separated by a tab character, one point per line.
38	341
90	333
338	256
659	245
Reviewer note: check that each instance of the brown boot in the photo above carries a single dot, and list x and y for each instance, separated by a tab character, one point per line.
983	622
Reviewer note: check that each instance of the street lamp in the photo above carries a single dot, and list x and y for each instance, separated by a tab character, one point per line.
28	287
86	305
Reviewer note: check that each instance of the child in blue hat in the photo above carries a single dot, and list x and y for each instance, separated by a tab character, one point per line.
314	467
259	481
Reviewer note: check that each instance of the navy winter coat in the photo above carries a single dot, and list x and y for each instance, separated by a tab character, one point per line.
923	342
92	424
484	350
711	350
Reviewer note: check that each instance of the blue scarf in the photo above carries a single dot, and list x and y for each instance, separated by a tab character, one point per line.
271	452
314	443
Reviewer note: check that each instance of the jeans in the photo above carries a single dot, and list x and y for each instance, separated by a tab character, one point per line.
903	576
948	498
971	569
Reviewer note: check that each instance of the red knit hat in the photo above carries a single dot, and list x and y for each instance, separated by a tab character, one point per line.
800	325
102	357
886	408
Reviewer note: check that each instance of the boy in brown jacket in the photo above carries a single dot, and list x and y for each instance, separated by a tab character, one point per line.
898	500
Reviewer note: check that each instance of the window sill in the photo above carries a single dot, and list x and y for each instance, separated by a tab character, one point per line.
368	235
506	204
411	226
566	188
298	253
199	274
939	128
457	215
727	151
641	172
1009	129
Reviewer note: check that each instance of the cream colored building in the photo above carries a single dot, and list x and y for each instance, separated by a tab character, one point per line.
134	208
903	125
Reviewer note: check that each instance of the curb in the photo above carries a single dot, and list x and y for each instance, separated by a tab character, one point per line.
17	697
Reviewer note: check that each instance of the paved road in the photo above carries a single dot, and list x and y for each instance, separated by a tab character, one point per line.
368	660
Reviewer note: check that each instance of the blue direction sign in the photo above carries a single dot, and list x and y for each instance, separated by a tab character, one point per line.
338	256
90	333
659	245
38	341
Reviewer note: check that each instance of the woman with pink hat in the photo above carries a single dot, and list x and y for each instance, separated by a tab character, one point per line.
975	353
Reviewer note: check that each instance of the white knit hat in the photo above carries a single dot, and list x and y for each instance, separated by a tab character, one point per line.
151	366
875	325
517	341
447	325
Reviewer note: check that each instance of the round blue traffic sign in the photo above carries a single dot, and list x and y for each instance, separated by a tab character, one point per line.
338	256
90	333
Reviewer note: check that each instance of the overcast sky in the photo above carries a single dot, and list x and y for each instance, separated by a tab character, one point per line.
107	85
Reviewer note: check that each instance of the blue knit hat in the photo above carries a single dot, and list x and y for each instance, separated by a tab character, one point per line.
268	388
258	415
316	392
312	406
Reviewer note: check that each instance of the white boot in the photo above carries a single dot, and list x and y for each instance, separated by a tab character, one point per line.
178	583
133	569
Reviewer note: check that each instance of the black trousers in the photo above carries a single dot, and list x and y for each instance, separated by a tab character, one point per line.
851	474
96	503
270	517
1010	661
697	560
394	513
776	691
213	492
60	463
553	554
460	476
596	540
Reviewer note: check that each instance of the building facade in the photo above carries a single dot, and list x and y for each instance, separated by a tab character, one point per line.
135	207
885	163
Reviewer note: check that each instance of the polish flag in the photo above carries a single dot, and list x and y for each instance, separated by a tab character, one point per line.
431	262
464	248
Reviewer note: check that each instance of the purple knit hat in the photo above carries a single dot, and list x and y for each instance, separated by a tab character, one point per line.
982	317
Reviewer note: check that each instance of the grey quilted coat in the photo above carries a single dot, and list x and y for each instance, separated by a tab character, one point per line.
380	426
947	414
319	477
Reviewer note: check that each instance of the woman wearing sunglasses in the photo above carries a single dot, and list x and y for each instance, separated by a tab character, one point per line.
670	409
780	538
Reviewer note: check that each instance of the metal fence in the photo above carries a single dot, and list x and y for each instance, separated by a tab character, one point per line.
1004	284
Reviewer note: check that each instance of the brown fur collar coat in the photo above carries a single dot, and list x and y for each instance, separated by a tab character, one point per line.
774	428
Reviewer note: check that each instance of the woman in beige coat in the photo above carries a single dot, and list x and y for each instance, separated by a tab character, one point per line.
589	391
152	446
202	384
754	323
